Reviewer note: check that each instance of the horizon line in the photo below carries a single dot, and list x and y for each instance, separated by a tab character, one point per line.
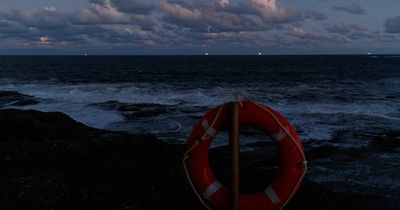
203	55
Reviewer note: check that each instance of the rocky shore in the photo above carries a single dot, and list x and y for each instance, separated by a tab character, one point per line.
50	161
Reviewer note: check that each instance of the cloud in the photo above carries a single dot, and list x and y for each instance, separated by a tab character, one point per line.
314	15
104	12
44	40
121	23
351	9
225	16
180	24
271	12
343	28
133	6
352	31
224	3
301	33
358	27
43	18
209	17
181	11
392	25
339	28
12	27
48	28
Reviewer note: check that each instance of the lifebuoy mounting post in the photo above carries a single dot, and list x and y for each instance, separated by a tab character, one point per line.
234	145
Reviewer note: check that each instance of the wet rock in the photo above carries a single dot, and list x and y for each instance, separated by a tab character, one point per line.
196	117
25	102
133	111
262	144
256	171
194	109
328	151
30	125
250	130
13	98
143	110
390	97
390	139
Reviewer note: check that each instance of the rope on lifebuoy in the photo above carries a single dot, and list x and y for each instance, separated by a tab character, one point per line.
299	148
187	156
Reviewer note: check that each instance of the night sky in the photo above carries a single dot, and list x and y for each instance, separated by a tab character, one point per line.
193	27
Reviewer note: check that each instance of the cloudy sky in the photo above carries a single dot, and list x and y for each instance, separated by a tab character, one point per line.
199	26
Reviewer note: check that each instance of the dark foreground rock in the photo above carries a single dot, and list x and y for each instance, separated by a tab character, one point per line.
49	161
76	167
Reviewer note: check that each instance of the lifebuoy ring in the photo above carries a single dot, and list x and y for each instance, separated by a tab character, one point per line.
292	164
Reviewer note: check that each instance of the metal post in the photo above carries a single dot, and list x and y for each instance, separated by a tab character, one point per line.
234	144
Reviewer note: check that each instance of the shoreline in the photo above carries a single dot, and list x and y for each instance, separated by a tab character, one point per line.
48	160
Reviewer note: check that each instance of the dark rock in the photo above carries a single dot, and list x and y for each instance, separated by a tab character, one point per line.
256	171
30	125
390	97
25	102
133	111
196	117
49	161
262	144
250	130
394	135
314	196
335	152
13	98
89	169
390	139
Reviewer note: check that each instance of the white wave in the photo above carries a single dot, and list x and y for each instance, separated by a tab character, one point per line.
125	92
80	112
75	101
373	109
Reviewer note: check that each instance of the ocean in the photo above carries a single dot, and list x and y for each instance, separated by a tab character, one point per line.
345	102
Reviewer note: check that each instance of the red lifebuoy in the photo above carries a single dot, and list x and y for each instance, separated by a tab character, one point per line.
292	164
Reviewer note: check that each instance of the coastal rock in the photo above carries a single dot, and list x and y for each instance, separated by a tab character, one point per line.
133	111
389	139
76	167
13	98
335	152
49	161
30	125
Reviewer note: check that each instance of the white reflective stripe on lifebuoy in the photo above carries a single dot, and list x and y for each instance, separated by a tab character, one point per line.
279	135
214	187
269	191
209	130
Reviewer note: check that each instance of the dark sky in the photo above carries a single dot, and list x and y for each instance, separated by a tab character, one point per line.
199	26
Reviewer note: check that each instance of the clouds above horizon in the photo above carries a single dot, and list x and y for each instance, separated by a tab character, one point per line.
351	9
226	26
392	25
